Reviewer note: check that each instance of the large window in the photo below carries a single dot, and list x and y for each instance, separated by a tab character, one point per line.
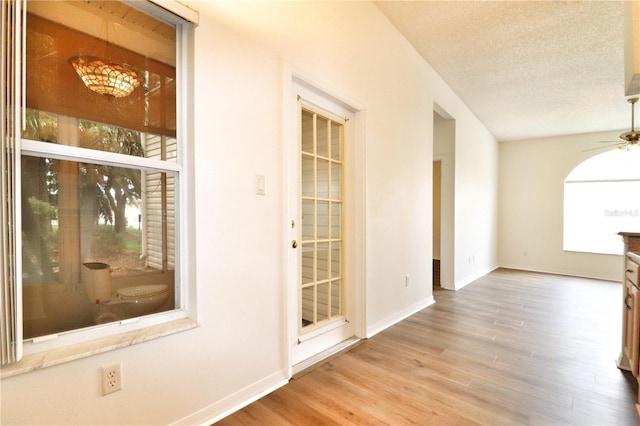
100	171
601	198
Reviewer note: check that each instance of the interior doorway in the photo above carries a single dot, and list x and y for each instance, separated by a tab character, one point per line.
437	208
444	139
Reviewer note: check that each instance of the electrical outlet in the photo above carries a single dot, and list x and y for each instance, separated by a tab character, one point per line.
407	280
111	379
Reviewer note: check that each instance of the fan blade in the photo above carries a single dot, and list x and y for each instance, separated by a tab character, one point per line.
617	144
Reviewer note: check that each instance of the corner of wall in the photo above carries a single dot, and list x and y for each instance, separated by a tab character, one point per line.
399	316
459	284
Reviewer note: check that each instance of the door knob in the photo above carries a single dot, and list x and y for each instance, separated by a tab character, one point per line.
294	243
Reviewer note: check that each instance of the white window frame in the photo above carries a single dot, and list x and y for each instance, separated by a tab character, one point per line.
66	346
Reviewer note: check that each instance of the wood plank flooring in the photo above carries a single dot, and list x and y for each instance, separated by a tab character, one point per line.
512	348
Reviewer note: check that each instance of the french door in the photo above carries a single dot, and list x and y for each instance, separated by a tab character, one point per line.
323	293
321	247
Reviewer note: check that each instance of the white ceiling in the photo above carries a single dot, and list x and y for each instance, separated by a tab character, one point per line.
527	69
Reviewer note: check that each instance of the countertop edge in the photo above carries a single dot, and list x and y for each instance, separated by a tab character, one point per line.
634	256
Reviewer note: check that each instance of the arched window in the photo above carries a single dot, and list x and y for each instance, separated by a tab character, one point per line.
602	198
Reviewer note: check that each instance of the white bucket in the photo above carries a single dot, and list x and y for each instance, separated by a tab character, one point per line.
96	277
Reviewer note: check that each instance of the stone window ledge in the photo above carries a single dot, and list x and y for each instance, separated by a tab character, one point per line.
36	361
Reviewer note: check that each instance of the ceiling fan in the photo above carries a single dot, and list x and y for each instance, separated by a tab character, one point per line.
632	137
628	139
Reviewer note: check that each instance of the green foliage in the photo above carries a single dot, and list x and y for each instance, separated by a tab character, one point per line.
112	187
132	241
44	212
106	242
105	191
41	126
109	243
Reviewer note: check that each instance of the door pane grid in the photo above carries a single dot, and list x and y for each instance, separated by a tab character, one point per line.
321	197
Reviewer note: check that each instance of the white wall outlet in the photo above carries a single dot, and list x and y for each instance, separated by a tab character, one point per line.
407	280
111	379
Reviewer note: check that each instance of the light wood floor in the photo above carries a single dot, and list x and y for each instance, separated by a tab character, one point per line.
511	348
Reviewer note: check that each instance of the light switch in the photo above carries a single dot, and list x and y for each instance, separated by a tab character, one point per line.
260	187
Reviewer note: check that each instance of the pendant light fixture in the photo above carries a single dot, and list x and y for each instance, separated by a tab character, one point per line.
103	75
106	77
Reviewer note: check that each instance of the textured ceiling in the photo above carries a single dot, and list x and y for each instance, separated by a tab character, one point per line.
526	69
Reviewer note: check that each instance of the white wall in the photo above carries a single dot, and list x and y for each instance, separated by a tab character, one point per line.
242	50
476	202
532	174
469	155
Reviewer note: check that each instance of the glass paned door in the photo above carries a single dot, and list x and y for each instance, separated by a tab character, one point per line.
321	272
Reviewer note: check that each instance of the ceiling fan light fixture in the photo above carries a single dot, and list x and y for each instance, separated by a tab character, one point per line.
631	137
630	141
105	77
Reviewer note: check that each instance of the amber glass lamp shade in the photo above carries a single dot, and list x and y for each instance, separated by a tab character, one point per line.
106	78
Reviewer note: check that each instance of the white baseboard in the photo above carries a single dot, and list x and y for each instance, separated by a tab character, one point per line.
236	401
617	279
399	316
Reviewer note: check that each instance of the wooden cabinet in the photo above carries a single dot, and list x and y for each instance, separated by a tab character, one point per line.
630	353
631	316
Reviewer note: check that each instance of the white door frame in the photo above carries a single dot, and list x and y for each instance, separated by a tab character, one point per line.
354	184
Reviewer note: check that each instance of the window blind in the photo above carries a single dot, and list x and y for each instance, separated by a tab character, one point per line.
12	20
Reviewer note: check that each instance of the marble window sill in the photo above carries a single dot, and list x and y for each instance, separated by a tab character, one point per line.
58	356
